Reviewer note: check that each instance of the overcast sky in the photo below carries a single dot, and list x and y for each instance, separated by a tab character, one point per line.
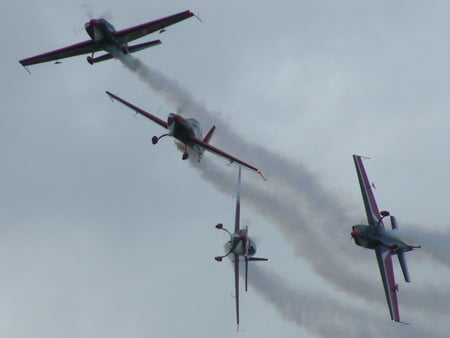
105	235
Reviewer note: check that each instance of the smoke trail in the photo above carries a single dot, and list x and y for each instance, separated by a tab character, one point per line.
330	258
293	177
294	199
323	315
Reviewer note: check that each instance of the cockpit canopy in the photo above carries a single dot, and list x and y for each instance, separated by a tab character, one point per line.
196	127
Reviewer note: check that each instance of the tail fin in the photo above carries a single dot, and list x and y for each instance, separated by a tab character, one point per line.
404	266
247	259
394	224
210	133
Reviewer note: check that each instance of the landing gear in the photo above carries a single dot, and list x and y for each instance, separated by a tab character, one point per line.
185	153
90	59
155	139
219	226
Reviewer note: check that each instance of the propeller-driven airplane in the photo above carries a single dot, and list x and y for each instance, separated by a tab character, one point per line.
239	245
188	131
385	242
105	37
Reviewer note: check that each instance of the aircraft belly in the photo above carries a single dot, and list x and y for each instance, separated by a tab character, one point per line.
239	249
365	242
97	34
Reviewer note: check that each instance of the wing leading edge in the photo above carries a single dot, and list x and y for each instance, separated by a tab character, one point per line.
136	32
222	153
84	47
370	204
138	110
236	287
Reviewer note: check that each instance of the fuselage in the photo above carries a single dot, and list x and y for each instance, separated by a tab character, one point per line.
240	244
184	129
102	34
372	236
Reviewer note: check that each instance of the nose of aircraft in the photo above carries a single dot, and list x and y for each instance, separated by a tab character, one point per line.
354	233
173	118
91	23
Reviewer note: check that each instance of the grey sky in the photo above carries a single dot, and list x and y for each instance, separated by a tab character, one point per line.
103	234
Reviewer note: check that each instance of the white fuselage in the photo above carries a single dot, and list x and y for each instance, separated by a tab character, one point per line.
372	236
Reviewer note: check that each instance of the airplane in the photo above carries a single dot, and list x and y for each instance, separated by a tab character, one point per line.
239	245
188	131
385	242
105	37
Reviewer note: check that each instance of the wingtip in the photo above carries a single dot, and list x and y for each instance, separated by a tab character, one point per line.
362	156
24	66
261	174
191	12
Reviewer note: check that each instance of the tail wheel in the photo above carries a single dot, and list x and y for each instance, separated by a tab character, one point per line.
185	155
154	140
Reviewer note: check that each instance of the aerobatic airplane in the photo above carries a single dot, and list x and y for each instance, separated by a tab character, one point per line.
385	242
239	245
105	37
188	131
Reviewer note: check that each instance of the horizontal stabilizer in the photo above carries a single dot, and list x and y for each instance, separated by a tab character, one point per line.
144	45
100	58
404	266
252	259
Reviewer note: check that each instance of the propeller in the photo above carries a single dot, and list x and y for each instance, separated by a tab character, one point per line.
89	12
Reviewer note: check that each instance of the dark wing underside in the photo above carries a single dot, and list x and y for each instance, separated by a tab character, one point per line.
138	110
236	286
222	153
84	47
136	32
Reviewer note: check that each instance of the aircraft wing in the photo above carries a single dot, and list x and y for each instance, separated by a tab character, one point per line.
136	32
384	258
84	47
220	152
373	215
138	110
236	286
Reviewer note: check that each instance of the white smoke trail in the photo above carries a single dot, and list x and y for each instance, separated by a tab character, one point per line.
330	258
307	214
326	316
